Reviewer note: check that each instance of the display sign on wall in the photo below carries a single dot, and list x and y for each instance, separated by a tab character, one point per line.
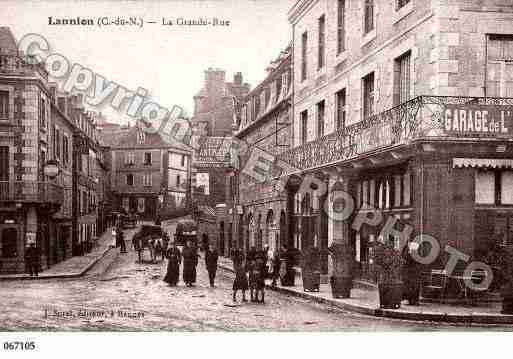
478	120
202	179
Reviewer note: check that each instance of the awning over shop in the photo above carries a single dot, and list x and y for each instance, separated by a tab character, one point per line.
482	162
207	211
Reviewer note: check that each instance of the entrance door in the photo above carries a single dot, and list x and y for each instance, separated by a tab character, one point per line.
9	244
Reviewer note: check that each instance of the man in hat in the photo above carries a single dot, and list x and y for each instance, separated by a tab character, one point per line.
32	256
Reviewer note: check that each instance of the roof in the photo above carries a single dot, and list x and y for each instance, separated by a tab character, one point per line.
131	137
7	41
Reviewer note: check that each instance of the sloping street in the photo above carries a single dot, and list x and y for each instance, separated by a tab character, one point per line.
120	294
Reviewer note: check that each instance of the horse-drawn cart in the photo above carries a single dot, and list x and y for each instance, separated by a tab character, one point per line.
152	238
186	230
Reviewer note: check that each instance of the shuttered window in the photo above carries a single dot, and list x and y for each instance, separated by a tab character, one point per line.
321	45
402	90
499	69
320	119
4	105
4	163
341	26
369	16
368	95
304	44
304	126
340	116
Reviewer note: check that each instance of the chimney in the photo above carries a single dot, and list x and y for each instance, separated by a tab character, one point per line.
237	79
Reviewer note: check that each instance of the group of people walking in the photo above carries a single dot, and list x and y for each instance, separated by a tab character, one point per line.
190	258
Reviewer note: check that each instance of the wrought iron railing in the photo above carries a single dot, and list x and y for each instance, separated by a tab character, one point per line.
423	116
31	191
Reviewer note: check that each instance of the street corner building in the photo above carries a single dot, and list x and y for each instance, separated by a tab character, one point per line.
52	167
405	105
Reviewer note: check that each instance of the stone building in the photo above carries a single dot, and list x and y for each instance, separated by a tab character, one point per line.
401	104
149	175
258	211
39	126
209	186
214	103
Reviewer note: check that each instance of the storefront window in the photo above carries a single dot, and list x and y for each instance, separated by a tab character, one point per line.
407	189
507	187
372	191
485	187
365	192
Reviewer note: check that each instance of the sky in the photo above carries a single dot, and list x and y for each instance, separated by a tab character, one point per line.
168	61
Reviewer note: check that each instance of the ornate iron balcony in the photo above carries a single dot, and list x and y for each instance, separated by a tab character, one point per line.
31	192
423	116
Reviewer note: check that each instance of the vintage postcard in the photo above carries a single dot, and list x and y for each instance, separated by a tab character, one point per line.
255	166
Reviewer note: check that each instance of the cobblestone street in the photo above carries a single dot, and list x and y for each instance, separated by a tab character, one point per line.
120	294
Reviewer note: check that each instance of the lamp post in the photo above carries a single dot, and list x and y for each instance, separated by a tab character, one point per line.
233	172
51	169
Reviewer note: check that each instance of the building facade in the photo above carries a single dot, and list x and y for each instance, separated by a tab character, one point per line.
214	103
258	207
149	175
40	126
404	105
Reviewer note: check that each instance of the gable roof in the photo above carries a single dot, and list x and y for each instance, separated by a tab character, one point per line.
135	137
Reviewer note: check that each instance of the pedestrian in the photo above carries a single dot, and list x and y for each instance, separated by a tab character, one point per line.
241	280
276	264
122	244
266	259
256	279
32	257
251	254
410	272
211	257
114	238
190	261
174	258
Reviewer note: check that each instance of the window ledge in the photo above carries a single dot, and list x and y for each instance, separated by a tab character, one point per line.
403	12
368	37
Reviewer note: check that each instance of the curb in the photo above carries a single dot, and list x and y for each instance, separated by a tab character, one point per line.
61	276
394	314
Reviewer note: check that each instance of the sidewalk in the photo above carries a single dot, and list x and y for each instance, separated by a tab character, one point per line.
75	266
365	300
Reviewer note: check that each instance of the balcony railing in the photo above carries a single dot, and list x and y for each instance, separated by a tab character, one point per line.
31	192
423	116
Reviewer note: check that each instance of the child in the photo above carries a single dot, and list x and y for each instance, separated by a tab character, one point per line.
256	278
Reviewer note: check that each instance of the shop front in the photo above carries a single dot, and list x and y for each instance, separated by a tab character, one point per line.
437	166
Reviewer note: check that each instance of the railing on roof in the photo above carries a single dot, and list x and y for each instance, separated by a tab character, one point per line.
31	192
423	116
17	65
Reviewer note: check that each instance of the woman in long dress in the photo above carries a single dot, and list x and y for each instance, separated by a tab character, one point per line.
190	261
174	257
